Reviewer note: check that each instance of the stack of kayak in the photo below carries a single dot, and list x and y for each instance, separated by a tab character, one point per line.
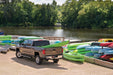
107	53
97	50
73	56
70	52
5	40
103	49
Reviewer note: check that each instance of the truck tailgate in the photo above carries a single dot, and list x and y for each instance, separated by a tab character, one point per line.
54	51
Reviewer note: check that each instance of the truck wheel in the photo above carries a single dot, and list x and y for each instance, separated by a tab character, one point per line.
38	60
18	54
55	60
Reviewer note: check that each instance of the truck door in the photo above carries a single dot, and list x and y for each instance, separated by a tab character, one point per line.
24	48
29	48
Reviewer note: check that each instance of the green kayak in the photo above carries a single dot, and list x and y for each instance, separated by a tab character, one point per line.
74	46
73	59
73	56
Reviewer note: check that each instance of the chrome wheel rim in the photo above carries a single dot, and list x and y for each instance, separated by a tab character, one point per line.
37	59
19	54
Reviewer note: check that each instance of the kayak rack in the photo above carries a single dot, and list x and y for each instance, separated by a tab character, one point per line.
99	62
53	38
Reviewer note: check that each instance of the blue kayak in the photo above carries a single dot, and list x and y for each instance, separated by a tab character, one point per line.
90	54
97	55
103	50
97	49
6	41
108	52
93	48
82	46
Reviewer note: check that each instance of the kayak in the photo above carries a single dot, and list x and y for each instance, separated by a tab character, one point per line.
96	48
95	44
74	46
5	37
105	40
73	56
90	54
106	57
73	59
5	41
97	55
82	46
103	50
93	48
106	44
111	45
108	52
111	59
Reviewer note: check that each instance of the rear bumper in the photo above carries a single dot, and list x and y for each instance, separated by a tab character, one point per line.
53	57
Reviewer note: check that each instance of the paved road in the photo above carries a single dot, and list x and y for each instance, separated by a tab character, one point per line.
10	65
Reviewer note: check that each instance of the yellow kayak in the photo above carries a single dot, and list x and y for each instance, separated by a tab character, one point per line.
105	40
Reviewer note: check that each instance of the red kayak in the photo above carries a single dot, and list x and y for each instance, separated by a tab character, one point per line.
106	44
106	57
111	46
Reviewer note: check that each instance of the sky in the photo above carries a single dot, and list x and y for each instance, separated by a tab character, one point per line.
59	2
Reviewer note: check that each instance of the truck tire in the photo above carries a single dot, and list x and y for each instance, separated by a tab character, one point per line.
38	60
55	60
18	54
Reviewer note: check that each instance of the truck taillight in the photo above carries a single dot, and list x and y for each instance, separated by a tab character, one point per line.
62	50
43	52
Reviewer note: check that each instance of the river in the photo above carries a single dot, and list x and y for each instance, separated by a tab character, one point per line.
76	34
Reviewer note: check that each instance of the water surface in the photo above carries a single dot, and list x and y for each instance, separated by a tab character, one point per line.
77	34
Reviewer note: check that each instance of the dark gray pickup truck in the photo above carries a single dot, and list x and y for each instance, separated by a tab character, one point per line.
32	48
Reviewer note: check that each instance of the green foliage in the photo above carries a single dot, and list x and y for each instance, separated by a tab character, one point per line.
25	13
72	14
87	14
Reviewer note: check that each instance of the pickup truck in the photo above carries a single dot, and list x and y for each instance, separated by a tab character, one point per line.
33	48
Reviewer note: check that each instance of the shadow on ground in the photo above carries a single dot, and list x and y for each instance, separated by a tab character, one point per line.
31	63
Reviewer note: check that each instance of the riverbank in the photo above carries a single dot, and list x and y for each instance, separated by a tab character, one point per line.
10	65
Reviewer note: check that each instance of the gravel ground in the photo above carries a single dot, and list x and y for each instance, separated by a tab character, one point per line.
10	65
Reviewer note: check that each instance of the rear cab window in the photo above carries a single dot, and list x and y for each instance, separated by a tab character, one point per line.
41	43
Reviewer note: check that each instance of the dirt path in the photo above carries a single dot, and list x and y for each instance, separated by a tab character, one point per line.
10	65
